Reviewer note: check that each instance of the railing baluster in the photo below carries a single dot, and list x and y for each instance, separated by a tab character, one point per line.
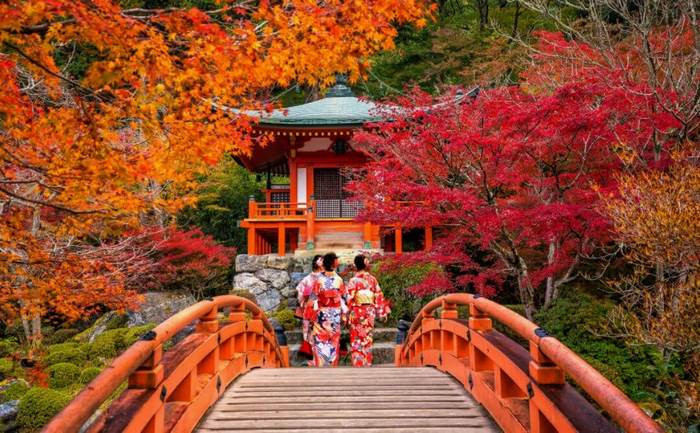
478	320
208	324
542	369
149	374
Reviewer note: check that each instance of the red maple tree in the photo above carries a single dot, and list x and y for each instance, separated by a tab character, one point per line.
513	176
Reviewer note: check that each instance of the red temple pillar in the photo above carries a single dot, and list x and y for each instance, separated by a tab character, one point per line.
398	240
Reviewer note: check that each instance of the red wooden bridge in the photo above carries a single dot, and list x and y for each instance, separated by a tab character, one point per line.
231	374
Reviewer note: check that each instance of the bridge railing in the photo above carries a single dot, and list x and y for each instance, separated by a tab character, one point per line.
523	390
171	390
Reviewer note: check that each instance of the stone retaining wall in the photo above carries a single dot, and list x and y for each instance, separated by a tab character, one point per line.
270	278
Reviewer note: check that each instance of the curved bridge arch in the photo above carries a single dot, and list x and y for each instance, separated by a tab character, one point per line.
172	390
524	391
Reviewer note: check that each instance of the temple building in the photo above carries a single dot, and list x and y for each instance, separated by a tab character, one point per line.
311	146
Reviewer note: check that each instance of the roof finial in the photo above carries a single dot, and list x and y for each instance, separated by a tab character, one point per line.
341	88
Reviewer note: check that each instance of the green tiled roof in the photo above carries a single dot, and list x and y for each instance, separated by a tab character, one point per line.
343	110
339	107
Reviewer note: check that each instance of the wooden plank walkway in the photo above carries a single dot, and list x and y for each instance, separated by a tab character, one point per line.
347	400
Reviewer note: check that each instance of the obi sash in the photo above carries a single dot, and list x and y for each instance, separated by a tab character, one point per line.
329	299
364	297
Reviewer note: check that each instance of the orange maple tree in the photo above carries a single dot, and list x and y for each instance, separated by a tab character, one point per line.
86	157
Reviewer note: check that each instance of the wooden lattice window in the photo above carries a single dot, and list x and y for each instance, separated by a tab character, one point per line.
280	197
330	195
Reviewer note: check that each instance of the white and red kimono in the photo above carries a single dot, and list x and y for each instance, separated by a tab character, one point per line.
325	313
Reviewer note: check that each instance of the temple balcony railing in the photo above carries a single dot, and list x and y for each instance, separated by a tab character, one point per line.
285	226
276	211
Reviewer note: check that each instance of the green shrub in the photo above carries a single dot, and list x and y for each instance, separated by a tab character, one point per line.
83	336
102	348
118	321
74	355
111	342
286	318
13	390
576	319
395	279
6	366
60	336
61	347
116	336
8	347
133	334
63	374
88	374
244	294
37	407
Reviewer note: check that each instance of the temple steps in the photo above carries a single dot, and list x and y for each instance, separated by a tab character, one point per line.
335	240
382	350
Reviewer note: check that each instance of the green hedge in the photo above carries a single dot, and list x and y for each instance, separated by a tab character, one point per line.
63	374
14	390
6	366
74	355
577	320
61	347
102	348
60	336
88	374
394	282
286	319
38	406
8	347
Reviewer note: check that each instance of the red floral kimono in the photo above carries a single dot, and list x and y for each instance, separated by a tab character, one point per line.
365	302
305	294
325	308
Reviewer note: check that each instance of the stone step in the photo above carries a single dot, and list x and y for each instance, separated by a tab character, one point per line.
336	246
381	335
346	255
383	353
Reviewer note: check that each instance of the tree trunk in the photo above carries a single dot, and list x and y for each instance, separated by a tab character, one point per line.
482	9
526	290
549	292
516	17
36	332
660	282
27	329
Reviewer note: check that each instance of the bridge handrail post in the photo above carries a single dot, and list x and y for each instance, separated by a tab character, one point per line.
208	323
542	369
478	320
449	311
150	373
237	313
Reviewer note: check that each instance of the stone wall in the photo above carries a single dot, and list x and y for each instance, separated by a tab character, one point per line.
270	278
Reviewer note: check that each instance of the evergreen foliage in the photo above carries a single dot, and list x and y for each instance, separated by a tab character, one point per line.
454	50
578	320
38	406
88	374
63	374
222	200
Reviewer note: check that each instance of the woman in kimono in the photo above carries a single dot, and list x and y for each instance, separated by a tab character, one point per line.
328	309
305	295
365	302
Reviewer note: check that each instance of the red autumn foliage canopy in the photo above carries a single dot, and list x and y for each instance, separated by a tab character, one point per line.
513	176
